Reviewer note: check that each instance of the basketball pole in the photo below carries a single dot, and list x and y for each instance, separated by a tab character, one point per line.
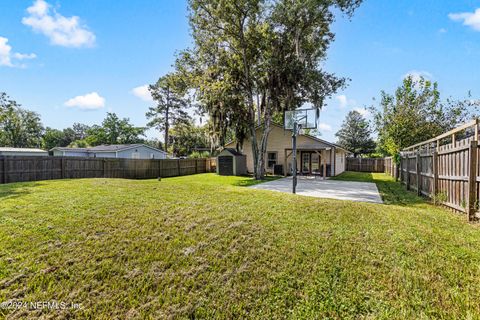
296	128
294	151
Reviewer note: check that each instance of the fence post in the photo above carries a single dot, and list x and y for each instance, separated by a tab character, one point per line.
435	176
472	181
395	169
419	177
4	170
398	170
196	166
62	168
407	178
104	167
178	166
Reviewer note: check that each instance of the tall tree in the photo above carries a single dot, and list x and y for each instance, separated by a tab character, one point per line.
255	58
186	137
169	93
114	131
355	134
54	138
416	113
18	127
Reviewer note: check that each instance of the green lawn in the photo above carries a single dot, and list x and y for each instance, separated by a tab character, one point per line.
205	246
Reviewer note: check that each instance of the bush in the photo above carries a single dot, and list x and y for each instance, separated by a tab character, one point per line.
197	154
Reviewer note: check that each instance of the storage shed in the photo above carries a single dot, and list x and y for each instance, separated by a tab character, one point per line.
230	162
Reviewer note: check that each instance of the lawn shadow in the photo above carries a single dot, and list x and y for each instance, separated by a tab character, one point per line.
393	192
250	181
17	189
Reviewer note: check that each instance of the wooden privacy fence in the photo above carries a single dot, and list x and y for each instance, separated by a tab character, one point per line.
448	173
365	164
18	169
390	167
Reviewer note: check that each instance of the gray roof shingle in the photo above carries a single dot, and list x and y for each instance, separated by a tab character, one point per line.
106	148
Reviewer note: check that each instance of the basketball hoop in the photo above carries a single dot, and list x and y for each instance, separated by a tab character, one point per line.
295	120
305	118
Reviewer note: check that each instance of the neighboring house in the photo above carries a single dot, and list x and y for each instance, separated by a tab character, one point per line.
22	152
313	154
125	151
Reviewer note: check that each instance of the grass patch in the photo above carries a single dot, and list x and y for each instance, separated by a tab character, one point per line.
203	247
392	192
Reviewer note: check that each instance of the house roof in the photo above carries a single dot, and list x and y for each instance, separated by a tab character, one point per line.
69	149
308	136
9	149
108	148
233	151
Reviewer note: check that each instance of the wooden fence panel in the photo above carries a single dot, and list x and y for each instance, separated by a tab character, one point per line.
2	171
18	169
170	168
201	165
450	175
453	172
187	167
426	174
211	164
366	164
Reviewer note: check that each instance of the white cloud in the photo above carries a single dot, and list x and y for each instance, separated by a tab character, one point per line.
7	57
417	75
324	127
363	111
89	101
344	101
142	93
61	31
442	30
24	56
469	19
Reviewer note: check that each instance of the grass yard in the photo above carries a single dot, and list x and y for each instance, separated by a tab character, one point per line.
206	246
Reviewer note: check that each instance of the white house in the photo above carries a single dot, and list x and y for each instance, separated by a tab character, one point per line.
314	155
22	152
125	151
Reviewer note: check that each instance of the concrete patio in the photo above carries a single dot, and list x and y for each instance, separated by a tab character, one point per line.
332	189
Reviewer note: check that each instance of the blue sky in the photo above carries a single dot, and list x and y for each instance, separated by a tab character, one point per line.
72	61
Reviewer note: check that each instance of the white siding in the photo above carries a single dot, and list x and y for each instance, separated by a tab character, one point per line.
280	139
143	153
340	162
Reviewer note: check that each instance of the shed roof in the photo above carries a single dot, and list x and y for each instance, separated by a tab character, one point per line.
233	151
9	149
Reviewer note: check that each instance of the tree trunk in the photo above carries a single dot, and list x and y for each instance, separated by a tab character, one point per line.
167	126
253	139
263	151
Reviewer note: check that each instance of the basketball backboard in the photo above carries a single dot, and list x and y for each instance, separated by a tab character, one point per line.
305	118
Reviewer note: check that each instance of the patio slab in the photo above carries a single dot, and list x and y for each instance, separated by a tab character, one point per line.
331	189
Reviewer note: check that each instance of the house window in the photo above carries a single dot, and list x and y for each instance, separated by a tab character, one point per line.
152	156
271	159
135	155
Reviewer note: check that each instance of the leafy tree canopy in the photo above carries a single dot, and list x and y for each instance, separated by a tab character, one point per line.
355	134
114	131
253	59
19	127
187	138
170	95
416	113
